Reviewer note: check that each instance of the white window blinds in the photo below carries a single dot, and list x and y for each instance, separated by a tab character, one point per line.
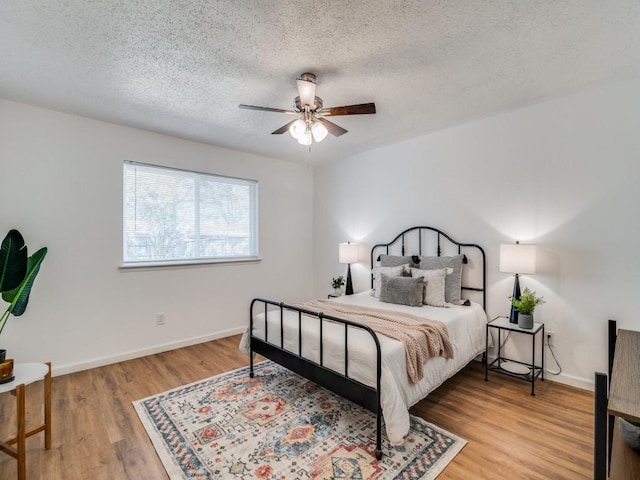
175	215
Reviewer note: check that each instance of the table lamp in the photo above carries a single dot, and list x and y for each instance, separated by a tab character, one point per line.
348	253
517	259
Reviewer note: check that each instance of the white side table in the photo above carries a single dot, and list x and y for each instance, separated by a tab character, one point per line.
26	373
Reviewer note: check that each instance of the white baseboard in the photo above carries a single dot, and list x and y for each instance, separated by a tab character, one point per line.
563	378
571	380
121	357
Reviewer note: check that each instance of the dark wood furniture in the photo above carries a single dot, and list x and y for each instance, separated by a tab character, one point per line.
617	396
419	240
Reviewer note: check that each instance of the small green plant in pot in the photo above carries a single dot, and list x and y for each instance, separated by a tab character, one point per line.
526	305
17	273
337	283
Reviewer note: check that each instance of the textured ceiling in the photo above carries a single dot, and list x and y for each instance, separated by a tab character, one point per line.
181	67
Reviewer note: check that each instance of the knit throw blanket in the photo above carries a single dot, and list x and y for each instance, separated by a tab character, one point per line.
422	338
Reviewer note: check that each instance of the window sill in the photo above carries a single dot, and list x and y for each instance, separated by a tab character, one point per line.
138	266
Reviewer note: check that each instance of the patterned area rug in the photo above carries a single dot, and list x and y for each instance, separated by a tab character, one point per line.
279	425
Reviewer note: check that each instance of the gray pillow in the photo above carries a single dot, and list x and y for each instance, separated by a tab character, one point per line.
395	260
397	271
402	290
453	281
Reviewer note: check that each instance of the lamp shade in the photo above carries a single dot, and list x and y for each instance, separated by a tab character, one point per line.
517	258
319	131
307	91
297	128
348	253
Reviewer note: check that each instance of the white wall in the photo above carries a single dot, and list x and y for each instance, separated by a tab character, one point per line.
62	187
562	174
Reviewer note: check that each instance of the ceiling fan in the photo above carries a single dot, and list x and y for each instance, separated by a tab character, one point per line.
310	123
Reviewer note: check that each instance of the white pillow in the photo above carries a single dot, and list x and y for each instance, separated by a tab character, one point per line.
390	272
433	284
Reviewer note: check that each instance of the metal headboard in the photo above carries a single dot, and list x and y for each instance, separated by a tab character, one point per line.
421	239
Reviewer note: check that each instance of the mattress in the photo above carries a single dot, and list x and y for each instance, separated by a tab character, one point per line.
466	326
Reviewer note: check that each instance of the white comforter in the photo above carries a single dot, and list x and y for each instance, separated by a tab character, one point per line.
466	327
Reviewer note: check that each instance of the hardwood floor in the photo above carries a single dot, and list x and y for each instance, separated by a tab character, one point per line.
510	434
97	434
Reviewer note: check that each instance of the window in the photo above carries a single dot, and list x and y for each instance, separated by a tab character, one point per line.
177	216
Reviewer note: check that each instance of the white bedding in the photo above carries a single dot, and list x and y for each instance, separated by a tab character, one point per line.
466	327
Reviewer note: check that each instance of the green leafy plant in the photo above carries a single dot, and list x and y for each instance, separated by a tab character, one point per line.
527	302
337	282
17	274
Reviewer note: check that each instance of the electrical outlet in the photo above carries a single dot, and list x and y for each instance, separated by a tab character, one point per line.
550	336
160	319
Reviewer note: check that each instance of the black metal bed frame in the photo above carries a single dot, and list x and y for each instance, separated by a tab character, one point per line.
364	395
421	231
340	383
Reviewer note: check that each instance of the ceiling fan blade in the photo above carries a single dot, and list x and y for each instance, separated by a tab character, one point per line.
335	130
268	109
307	88
284	128
361	109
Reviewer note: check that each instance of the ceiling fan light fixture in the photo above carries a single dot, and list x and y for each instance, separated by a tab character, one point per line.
319	131
307	88
305	139
311	124
297	129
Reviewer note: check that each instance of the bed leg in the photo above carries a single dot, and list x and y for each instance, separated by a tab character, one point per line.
251	363
379	431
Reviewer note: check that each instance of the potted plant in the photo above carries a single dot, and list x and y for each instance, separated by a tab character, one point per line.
337	283
17	274
526	305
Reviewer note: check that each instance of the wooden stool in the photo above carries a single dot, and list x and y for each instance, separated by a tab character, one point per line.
26	373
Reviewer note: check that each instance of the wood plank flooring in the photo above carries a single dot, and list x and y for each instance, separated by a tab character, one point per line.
97	434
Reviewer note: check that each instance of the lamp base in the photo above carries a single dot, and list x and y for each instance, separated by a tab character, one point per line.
349	289
513	317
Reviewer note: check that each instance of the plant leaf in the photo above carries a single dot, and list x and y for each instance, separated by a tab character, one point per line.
13	261
19	297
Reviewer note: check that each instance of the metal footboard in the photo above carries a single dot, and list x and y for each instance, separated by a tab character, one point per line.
338	382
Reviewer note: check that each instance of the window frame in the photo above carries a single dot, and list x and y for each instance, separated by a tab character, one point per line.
197	261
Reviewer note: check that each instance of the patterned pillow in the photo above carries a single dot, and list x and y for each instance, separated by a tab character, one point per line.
402	290
396	271
434	285
453	282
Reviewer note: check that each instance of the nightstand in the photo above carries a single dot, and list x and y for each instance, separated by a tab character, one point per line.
25	374
529	371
